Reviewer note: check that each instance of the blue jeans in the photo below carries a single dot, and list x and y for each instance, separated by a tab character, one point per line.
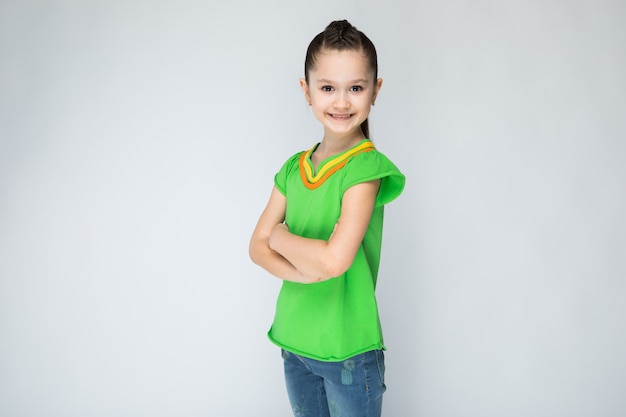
350	388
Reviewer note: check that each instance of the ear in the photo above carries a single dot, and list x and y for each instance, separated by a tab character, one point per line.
305	89
377	86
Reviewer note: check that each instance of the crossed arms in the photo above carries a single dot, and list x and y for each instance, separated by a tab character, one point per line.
298	259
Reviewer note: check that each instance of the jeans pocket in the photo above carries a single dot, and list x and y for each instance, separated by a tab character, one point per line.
380	361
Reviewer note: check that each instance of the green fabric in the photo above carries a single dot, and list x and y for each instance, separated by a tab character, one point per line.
335	319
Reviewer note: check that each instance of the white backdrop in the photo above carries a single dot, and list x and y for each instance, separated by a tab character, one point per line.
138	141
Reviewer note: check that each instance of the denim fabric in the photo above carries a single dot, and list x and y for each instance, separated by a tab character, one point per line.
350	388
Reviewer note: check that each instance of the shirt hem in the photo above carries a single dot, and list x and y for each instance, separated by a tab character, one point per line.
377	346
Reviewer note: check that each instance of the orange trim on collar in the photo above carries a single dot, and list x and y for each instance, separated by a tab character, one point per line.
313	181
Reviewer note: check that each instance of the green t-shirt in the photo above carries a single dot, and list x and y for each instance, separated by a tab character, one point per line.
338	318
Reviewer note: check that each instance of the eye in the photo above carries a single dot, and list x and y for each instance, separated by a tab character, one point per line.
327	88
356	88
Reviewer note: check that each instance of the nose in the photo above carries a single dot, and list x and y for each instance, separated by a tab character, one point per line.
342	101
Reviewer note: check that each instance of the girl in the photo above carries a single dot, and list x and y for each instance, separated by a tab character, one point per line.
321	233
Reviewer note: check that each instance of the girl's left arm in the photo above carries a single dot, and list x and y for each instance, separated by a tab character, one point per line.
328	259
259	249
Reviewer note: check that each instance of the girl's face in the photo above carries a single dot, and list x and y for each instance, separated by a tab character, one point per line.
341	91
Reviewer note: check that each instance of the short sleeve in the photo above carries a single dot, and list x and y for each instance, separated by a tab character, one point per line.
280	179
370	166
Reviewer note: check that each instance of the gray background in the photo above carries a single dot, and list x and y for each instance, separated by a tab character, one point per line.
138	141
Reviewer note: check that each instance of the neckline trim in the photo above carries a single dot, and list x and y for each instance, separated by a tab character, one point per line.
329	166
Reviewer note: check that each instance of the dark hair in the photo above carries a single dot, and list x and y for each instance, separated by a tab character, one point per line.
340	35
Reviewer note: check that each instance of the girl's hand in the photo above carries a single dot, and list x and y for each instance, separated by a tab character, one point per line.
334	230
281	226
277	229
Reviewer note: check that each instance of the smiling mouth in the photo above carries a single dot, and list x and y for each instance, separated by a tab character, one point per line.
340	116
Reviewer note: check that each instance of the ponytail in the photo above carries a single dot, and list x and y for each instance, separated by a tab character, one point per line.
365	128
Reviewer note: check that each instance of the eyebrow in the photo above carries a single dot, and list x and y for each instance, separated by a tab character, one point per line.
359	81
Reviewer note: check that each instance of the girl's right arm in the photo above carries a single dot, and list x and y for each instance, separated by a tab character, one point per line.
259	249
